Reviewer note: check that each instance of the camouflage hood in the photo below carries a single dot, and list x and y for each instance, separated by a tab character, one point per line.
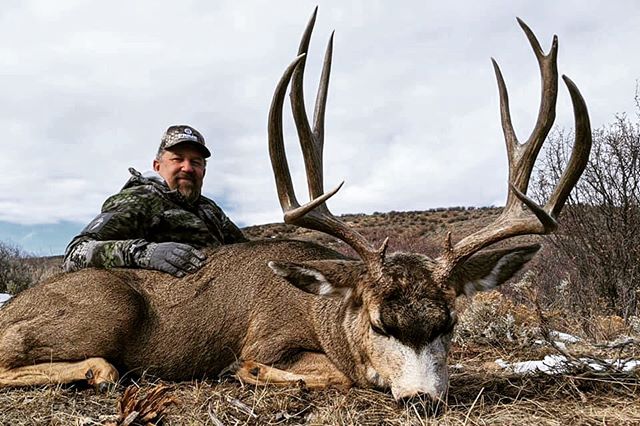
157	183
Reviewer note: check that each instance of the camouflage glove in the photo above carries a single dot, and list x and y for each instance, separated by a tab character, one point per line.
175	258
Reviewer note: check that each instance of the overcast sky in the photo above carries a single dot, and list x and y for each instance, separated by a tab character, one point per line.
89	86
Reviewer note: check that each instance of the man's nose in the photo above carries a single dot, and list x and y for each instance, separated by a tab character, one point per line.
186	166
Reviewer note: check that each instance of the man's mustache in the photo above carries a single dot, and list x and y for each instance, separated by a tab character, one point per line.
187	176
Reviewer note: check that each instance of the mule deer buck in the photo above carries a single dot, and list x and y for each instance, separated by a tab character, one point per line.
283	311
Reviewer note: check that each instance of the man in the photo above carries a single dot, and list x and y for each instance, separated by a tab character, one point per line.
158	222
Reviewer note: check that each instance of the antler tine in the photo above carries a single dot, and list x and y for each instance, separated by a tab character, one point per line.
321	97
576	165
505	116
579	155
310	142
315	214
547	113
286	193
516	219
522	156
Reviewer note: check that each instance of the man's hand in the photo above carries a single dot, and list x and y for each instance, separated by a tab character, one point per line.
175	258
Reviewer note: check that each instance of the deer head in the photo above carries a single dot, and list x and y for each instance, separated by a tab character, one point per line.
400	308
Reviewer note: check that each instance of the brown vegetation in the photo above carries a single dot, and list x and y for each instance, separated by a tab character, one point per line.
599	238
19	270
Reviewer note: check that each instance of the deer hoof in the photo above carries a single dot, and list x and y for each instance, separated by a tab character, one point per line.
101	375
101	386
231	369
249	371
105	387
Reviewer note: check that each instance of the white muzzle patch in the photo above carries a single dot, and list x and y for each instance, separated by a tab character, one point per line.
421	372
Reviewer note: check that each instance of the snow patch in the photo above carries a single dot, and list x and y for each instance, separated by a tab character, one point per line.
564	337
560	339
558	364
4	297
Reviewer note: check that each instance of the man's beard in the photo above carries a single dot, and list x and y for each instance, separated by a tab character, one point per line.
188	188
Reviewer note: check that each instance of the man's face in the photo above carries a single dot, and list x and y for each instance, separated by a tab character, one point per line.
183	168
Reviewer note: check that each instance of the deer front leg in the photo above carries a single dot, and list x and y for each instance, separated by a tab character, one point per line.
96	371
315	370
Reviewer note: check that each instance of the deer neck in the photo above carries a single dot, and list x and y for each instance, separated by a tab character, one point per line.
338	329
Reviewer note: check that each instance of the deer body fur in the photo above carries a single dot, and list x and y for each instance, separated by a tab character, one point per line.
179	329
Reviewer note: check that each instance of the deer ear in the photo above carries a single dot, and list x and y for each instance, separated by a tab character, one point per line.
320	277
490	268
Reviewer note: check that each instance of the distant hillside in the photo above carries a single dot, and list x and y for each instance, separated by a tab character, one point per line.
421	231
418	231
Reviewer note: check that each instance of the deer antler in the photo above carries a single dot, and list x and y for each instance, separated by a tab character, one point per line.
315	214
515	218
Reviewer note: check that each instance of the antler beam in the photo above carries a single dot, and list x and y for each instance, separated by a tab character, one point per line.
315	214
521	215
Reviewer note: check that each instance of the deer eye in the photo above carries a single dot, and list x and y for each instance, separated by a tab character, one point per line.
446	328
379	330
451	323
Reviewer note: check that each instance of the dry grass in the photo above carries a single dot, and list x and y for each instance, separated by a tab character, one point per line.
476	397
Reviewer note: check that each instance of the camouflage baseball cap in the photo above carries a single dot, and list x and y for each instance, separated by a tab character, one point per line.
182	133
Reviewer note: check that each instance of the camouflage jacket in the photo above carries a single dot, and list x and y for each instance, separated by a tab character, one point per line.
145	211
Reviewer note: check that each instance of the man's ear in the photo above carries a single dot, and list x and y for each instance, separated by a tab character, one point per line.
156	165
333	278
490	268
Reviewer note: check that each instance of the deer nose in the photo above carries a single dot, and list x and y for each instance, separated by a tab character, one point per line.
423	403
414	395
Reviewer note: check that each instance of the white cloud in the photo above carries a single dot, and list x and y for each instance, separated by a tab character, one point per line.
412	121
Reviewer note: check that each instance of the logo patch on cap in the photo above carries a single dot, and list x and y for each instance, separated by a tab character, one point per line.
186	136
188	131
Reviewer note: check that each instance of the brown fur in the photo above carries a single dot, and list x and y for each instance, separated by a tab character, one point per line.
176	328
